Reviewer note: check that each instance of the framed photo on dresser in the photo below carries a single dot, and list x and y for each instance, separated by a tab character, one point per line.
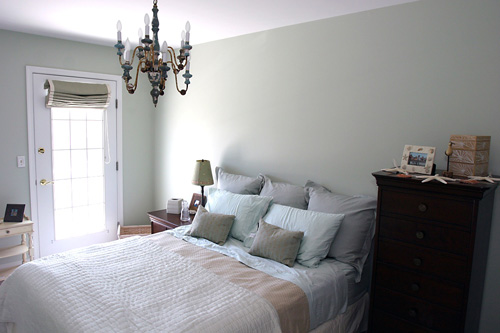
418	159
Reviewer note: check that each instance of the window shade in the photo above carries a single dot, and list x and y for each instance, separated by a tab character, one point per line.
76	94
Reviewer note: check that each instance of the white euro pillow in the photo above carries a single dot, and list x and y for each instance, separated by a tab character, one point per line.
319	230
247	209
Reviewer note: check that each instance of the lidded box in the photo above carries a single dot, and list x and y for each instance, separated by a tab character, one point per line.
470	155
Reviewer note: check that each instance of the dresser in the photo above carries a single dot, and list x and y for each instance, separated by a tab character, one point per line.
25	248
431	248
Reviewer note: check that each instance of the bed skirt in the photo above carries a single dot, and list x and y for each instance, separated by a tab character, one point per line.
353	320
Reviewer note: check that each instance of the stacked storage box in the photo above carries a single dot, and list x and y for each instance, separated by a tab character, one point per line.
470	155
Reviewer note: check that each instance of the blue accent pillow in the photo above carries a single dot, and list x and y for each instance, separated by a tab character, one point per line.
319	230
247	209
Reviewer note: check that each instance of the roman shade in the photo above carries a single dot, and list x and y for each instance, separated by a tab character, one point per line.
76	94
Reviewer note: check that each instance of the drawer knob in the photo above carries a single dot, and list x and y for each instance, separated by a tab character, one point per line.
415	287
422	207
420	234
417	261
412	313
7	231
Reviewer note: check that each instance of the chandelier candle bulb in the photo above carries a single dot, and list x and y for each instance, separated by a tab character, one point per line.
127	50
119	28
188	29
146	22
140	36
183	38
164	50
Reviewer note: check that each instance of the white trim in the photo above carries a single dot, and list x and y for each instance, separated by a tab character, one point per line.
30	71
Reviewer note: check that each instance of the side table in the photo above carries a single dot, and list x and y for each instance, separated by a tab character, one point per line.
23	229
161	220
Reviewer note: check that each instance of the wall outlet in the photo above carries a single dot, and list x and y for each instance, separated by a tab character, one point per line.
21	161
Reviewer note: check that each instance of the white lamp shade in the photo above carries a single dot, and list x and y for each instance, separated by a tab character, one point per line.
202	173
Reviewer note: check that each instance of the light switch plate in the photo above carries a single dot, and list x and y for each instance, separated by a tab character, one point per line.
21	161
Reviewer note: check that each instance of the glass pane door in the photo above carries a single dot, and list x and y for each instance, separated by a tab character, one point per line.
78	171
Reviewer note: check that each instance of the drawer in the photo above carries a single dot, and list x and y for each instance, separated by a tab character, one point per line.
425	234
423	260
417	285
417	311
428	207
157	227
16	230
384	322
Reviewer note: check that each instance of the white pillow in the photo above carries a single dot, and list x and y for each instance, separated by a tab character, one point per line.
237	183
319	230
284	193
247	209
353	241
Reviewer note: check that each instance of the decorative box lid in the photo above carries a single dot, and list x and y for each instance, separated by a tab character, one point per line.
459	137
470	142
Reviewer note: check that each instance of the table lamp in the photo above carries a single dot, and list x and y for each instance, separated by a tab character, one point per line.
202	176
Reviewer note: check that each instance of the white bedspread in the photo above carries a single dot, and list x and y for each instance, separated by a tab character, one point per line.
132	285
325	286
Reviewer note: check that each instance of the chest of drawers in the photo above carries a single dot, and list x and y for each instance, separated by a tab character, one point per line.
431	246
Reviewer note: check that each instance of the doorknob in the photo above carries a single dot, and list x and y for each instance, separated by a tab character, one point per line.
44	182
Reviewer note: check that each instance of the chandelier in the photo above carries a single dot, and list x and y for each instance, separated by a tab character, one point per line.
150	62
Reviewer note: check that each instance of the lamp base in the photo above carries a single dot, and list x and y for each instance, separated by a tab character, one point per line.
202	196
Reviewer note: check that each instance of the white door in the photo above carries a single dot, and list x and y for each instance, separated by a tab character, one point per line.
76	189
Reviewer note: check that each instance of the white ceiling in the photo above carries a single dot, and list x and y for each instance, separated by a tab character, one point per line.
94	21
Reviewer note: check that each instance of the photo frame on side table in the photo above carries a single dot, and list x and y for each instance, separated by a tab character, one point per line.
418	159
195	201
14	213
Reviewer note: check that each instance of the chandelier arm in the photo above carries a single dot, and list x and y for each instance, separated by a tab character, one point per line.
136	75
173	59
133	54
176	83
139	67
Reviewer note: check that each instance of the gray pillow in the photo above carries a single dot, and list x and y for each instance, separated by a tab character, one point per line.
352	243
276	243
285	194
237	183
211	226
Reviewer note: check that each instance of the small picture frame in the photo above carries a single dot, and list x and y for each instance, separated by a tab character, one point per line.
14	213
195	201
418	159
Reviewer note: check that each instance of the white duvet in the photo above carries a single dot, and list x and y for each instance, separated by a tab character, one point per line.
132	285
325	286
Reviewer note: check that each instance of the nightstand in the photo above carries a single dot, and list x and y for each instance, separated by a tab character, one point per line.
23	229
431	246
161	220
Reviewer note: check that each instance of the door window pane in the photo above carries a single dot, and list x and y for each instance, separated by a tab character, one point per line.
78	171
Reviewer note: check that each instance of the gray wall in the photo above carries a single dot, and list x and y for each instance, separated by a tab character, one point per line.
337	99
20	50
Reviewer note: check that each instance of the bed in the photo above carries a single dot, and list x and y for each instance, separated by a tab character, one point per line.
262	257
